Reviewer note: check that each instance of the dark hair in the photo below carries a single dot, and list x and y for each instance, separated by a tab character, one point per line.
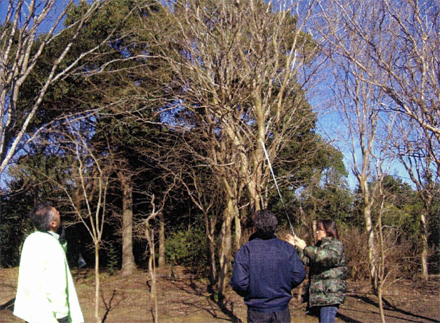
41	216
265	223
329	226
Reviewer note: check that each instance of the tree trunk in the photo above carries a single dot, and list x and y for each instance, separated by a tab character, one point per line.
161	262
381	266
149	234
380	301
225	246
1	239
424	237
152	272
237	231
368	202
209	230
371	246
97	283
128	263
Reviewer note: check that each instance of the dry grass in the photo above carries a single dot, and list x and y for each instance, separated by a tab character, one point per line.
185	300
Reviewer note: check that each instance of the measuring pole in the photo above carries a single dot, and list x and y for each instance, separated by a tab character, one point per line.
276	185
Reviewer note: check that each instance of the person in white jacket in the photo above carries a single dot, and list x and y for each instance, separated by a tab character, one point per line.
45	291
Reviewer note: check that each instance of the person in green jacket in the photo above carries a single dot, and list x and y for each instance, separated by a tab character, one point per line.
328	269
45	291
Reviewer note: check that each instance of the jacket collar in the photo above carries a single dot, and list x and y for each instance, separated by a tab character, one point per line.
258	236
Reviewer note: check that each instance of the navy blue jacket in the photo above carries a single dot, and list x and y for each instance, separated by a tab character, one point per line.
265	272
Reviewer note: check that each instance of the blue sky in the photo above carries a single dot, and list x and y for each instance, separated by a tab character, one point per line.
56	10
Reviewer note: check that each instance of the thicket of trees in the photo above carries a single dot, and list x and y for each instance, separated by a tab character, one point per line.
148	127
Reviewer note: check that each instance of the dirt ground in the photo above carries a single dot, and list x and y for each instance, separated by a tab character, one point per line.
185	299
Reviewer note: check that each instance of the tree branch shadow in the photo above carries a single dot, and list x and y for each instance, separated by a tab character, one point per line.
314	312
215	304
108	306
223	305
344	318
9	305
390	307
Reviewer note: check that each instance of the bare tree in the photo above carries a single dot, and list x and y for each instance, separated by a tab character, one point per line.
412	150
237	68
394	46
203	191
400	42
29	27
149	234
383	202
86	188
356	102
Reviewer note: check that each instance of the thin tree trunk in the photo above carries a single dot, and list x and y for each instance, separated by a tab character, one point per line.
371	246
149	234
97	283
161	262
381	269
152	272
1	239
209	230
237	231
424	237
380	301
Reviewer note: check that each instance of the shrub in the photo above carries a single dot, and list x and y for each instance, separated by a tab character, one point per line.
188	248
401	253
112	261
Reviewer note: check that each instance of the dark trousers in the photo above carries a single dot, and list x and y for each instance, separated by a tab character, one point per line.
328	314
269	317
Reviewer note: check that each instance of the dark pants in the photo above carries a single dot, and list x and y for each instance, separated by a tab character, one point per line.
270	317
328	314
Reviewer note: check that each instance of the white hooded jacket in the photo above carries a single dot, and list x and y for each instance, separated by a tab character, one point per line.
45	291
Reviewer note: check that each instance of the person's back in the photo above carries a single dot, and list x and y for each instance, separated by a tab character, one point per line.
273	272
266	269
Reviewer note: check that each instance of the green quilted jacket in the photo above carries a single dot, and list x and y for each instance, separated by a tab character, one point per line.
328	272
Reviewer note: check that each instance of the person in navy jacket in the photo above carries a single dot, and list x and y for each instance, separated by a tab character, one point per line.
266	269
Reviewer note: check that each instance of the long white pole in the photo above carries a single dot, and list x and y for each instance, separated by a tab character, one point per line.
276	185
